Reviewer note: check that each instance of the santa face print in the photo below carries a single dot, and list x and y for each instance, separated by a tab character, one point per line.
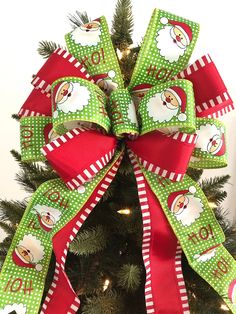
87	34
178	37
24	253
173	40
14	309
64	92
47	216
160	107
169	100
211	140
28	253
71	97
185	206
179	205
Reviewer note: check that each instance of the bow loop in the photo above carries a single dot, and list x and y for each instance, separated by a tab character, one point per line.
78	155
169	105
165	155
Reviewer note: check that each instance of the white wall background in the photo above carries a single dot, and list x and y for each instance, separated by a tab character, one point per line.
24	23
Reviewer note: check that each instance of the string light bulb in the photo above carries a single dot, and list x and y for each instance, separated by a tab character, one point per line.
212	205
106	284
124	211
224	307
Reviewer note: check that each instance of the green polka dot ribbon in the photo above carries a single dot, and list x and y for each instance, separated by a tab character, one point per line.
154	113
75	100
160	60
122	113
199	233
210	149
52	208
35	133
91	44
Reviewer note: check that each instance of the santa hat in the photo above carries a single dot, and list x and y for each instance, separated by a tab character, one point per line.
183	27
181	97
141	87
207	251
172	198
220	151
98	77
47	132
20	261
232	291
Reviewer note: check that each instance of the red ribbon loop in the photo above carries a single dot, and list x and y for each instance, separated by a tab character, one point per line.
78	155
211	96
165	155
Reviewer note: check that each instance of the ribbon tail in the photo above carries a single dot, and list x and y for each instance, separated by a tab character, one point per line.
164	278
61	285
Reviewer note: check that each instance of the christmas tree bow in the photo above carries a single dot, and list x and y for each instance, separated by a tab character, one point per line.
67	119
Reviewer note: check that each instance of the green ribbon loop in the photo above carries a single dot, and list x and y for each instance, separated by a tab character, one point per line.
180	114
96	53
154	65
210	149
35	132
75	100
122	113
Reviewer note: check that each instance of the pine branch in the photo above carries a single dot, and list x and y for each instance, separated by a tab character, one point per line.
106	303
78	19
129	277
12	211
15	117
25	180
212	188
46	48
9	229
34	172
89	241
195	174
122	25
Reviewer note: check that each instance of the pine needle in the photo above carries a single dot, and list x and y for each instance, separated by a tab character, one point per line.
89	241
46	48
129	277
78	19
122	25
108	303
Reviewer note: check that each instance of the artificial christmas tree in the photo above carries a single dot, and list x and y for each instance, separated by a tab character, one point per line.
105	263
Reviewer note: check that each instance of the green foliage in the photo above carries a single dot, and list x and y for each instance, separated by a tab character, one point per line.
78	19
129	277
89	241
11	211
46	48
122	25
213	188
105	303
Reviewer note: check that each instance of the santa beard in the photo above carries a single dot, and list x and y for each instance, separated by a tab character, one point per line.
207	256
132	113
83	38
79	99
205	133
158	111
168	49
192	212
